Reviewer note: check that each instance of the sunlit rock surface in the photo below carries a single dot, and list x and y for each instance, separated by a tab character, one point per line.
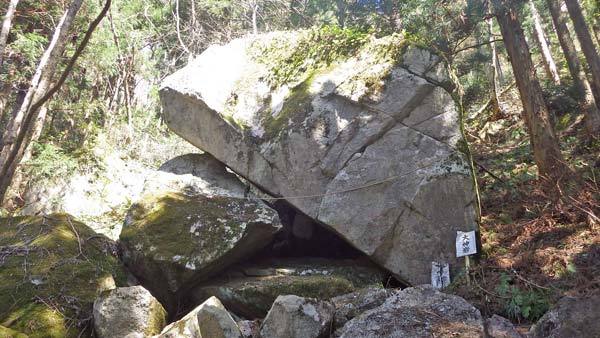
209	319
130	312
192	222
368	145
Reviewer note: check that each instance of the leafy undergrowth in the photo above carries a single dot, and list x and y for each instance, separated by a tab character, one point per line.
536	248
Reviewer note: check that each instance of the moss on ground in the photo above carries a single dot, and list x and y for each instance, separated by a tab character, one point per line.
52	270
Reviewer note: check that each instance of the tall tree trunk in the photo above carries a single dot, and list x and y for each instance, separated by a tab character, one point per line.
540	37
587	45
6	24
15	188
546	151
255	18
5	87
588	103
497	77
15	140
341	12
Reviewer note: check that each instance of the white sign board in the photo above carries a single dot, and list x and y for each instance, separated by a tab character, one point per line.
440	275
466	243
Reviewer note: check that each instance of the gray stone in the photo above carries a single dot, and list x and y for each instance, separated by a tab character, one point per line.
500	327
377	164
297	317
571	317
353	304
129	312
252	296
420	311
209	319
190	224
249	328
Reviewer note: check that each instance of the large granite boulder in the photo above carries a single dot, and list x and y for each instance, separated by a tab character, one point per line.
52	268
351	130
250	290
192	222
571	317
418	312
130	312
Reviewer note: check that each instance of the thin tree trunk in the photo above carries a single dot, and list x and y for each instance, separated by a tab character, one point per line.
6	25
540	37
544	143
587	45
17	130
178	28
588	103
496	69
341	12
38	126
16	139
255	17
5	87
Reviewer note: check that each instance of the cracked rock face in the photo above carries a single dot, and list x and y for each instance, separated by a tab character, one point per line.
191	223
377	164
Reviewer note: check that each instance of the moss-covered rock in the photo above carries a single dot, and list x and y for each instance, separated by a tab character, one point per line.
187	228
250	290
51	270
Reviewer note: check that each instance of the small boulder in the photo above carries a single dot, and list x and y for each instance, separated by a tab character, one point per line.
209	319
249	328
130	312
500	327
353	304
571	317
420	311
297	317
250	290
191	223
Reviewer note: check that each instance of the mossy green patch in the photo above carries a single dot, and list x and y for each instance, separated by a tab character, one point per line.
51	270
10	333
297	105
252	297
289	60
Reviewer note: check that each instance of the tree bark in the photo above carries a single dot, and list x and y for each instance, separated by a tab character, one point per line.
15	189
540	38
587	45
6	25
341	12
255	18
16	139
497	77
544	143
580	82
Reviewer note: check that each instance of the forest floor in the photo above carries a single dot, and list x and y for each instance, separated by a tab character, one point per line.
536	248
